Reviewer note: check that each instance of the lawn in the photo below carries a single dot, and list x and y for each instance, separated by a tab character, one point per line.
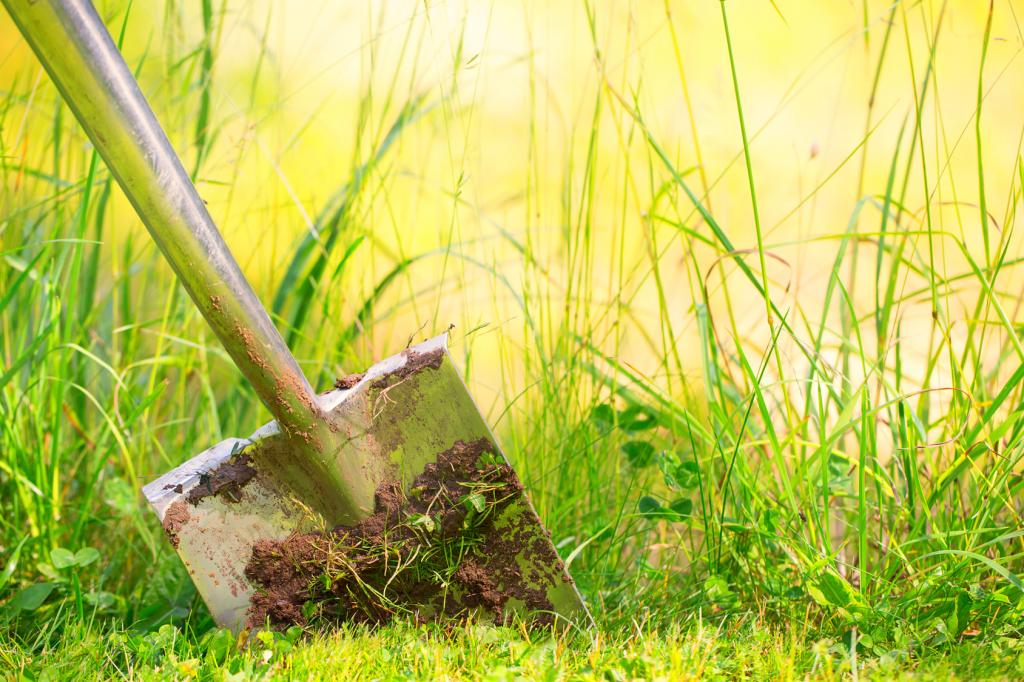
736	284
690	650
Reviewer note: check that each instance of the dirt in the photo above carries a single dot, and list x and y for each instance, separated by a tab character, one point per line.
441	533
349	381
414	362
226	481
175	518
287	384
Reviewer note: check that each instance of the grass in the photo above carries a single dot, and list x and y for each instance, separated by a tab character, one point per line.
694	651
770	409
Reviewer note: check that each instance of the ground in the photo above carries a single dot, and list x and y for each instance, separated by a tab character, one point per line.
483	652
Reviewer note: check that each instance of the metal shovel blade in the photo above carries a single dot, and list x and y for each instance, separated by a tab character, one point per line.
438	523
413	424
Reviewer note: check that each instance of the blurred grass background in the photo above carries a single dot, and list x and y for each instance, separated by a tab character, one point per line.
569	184
297	95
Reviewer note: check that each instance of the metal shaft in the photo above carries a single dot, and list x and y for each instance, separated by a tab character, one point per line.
77	51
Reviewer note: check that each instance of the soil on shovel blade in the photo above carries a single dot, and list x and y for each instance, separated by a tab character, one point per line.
175	518
226	481
414	362
431	553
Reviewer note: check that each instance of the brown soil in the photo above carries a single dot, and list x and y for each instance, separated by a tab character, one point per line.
226	481
414	362
349	381
175	518
434	530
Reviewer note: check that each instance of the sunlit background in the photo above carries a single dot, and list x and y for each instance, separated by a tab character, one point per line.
524	183
592	192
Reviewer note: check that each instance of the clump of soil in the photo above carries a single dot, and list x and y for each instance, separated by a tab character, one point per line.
175	518
433	552
225	481
349	381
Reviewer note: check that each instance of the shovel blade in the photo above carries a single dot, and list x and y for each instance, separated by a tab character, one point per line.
402	420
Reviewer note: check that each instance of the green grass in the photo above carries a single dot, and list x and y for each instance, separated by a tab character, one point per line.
691	651
769	442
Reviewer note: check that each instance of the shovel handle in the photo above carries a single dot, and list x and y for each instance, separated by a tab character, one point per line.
72	43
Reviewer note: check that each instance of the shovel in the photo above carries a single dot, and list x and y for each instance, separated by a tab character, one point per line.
386	496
